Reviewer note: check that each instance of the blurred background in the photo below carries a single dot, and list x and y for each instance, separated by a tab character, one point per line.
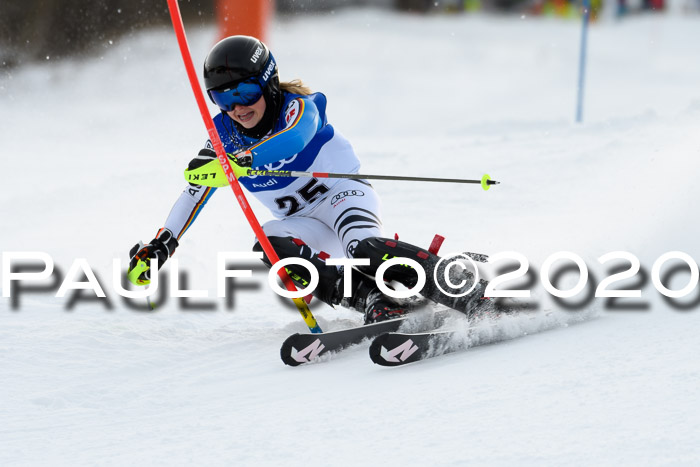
32	30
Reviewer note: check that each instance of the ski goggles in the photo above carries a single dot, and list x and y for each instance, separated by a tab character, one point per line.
246	93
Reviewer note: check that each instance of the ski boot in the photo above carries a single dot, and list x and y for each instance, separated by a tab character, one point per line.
368	299
379	309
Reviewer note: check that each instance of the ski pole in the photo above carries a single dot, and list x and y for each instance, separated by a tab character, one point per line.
485	181
210	174
179	27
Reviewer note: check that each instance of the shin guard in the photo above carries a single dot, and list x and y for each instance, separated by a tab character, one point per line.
379	250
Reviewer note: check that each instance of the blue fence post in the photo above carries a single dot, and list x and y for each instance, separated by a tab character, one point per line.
582	59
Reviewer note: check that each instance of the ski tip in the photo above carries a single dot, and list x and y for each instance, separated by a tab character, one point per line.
381	352
286	352
375	350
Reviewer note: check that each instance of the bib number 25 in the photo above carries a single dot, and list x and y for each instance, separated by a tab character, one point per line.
306	194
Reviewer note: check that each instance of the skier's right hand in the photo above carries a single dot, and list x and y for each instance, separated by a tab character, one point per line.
206	170
161	248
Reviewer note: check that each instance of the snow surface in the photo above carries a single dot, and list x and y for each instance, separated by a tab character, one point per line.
92	153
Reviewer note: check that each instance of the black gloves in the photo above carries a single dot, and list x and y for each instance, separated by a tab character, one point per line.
161	247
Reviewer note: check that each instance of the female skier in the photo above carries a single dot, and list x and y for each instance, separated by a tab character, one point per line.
270	125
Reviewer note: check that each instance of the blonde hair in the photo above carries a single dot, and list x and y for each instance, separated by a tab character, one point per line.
295	86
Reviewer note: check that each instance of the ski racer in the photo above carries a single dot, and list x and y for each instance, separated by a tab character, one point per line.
271	125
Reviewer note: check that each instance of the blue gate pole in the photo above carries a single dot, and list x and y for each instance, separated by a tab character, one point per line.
582	59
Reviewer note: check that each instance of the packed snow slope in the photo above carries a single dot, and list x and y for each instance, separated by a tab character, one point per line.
93	152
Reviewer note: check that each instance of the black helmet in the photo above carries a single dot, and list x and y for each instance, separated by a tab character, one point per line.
239	58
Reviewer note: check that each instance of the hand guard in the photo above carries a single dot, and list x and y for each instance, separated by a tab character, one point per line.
206	170
161	248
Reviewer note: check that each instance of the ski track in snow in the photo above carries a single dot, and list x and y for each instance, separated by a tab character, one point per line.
100	143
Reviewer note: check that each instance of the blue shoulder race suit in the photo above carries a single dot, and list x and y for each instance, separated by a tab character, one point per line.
301	140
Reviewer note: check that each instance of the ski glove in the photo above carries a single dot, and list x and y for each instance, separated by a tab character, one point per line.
206	170
162	247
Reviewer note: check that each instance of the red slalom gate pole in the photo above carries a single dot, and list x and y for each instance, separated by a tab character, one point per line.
179	27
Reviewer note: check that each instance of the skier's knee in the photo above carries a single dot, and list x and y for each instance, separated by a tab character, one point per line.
290	247
285	247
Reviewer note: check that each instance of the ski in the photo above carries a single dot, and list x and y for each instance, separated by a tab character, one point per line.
400	348
300	349
395	348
